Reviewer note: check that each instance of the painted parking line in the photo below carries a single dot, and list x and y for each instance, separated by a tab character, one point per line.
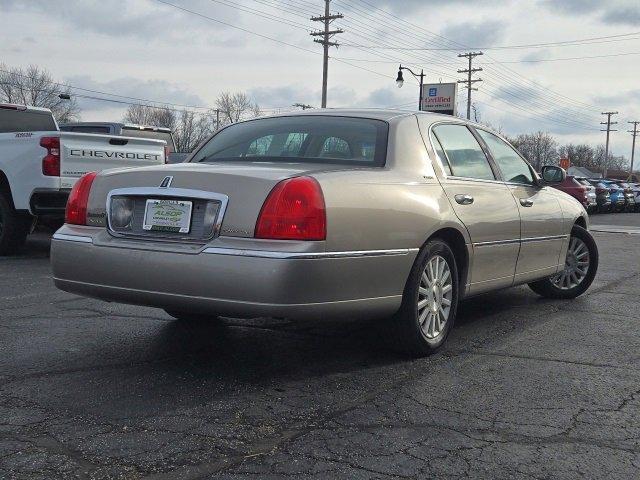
615	229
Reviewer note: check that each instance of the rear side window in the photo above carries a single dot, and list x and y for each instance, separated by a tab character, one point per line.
513	167
308	138
441	155
464	153
85	129
25	121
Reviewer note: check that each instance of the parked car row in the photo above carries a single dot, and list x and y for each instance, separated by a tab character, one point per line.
603	195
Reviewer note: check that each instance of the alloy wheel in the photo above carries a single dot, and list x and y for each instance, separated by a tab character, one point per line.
576	266
434	296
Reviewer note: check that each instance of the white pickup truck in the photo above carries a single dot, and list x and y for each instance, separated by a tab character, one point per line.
39	164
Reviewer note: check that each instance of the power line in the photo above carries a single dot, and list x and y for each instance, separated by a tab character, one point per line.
365	60
457	45
586	41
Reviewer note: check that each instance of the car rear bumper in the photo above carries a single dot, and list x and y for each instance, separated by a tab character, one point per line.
234	282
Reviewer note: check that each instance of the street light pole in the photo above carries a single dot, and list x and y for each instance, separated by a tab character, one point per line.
419	77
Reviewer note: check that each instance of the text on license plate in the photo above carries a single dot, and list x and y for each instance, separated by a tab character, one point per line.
167	215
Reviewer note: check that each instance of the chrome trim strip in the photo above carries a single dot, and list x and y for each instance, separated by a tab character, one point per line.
72	238
173	193
520	240
306	255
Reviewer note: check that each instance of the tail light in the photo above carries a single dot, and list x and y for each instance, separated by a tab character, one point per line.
601	190
584	192
166	153
294	210
76	212
51	161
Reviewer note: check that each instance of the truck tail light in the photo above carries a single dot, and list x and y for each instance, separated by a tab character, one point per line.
76	212
51	161
294	210
166	154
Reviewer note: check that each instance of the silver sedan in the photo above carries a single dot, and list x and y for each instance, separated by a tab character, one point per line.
328	213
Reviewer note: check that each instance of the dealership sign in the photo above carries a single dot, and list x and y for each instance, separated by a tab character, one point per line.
439	98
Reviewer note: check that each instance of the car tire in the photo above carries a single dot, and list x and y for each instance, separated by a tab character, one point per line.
14	227
417	330
183	316
565	284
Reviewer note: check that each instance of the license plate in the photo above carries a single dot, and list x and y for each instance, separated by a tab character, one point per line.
167	215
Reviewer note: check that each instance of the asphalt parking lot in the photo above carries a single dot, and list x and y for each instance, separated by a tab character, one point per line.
525	388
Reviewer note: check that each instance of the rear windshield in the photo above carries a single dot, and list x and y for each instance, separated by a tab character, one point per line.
312	139
584	181
25	121
86	129
136	132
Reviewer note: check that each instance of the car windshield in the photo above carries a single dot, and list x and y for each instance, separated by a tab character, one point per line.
308	138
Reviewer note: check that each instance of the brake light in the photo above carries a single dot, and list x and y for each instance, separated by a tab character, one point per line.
51	161
166	154
294	210
584	192
76	211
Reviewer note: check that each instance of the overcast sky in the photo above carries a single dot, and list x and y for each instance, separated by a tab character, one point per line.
150	50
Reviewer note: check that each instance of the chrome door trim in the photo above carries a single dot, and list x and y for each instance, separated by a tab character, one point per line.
521	240
307	255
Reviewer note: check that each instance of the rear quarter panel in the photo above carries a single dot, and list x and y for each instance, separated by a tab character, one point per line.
398	206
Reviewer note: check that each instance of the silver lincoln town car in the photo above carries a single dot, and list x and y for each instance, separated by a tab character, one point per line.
328	213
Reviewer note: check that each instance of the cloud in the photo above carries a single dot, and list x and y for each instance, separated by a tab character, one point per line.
409	6
143	20
612	12
478	34
536	55
154	90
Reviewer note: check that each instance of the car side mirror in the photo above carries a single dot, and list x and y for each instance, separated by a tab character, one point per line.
552	174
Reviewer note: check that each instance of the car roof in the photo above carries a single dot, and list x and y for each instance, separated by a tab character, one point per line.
385	114
23	108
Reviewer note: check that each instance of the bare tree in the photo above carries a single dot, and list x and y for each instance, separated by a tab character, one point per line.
148	115
539	148
237	106
35	87
192	129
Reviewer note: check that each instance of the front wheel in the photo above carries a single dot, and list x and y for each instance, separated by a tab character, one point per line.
580	267
430	301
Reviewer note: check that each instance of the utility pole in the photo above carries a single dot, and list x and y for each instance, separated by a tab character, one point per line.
634	134
303	106
326	42
469	71
608	123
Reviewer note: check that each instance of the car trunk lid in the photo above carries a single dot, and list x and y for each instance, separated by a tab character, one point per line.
242	186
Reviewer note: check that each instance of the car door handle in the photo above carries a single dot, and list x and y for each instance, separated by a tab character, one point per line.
525	202
464	199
